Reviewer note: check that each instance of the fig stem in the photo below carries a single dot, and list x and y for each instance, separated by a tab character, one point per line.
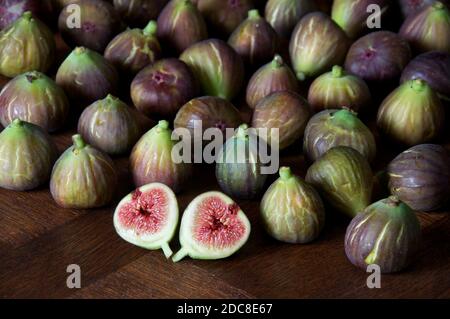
337	71
393	201
166	250
183	252
277	61
418	85
242	131
253	14
78	142
163	124
32	76
28	15
285	173
438	5
345	118
301	76
17	122
151	28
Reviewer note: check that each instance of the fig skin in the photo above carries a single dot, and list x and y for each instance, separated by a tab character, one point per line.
33	97
180	25
26	45
344	177
239	174
409	7
217	67
337	89
387	234
134	49
151	160
27	155
86	77
273	77
11	10
110	126
137	13
378	56
292	210
429	29
287	111
254	40
420	177
83	177
331	128
161	89
412	114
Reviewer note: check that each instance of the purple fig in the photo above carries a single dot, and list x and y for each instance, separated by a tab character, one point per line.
11	10
410	7
137	13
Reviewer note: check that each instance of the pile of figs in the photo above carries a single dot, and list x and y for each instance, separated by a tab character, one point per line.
338	91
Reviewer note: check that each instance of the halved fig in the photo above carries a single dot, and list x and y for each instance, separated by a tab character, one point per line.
148	217
213	227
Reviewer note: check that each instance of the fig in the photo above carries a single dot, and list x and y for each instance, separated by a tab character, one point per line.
420	177
11	10
344	177
387	234
160	89
317	43
412	114
292	210
331	128
254	40
213	226
99	23
409	7
33	97
86	76
151	160
27	155
286	111
217	67
180	25
337	89
110	126
26	45
273	77
134	49
83	177
378	56
148	217
283	15
238	168
137	13
428	29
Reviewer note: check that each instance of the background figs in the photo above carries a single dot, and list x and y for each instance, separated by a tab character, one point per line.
11	10
137	13
409	7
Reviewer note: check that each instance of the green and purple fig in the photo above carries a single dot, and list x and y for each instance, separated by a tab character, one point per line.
420	177
151	160
33	97
162	88
217	67
410	7
110	126
137	13
412	114
83	177
180	25
337	89
286	111
428	29
344	177
86	76
26	45
27	155
331	128
238	167
254	40
317	43
134	49
386	234
273	77
292	210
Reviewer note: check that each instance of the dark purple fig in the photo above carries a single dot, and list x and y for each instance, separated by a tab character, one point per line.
26	45
432	67
217	67
428	29
317	43
273	77
99	23
331	128
60	4
254	40
420	177
378	56
410	7
134	49
412	114
87	77
386	234
11	10
180	25
27	155
337	89
283	15
161	89
138	13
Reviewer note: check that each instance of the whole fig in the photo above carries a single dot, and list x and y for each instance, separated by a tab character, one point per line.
137	13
